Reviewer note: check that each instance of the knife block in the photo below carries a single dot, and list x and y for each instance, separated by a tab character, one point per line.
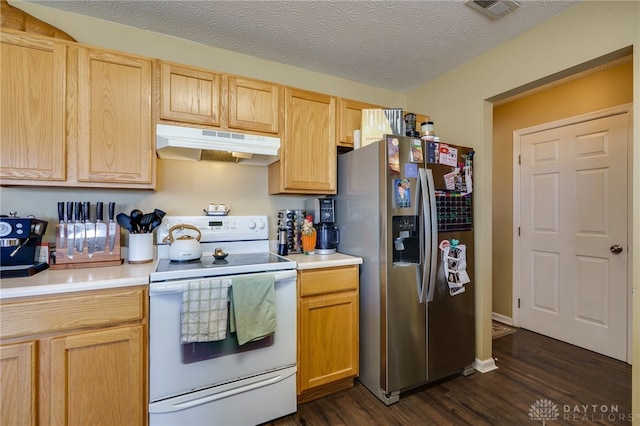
82	259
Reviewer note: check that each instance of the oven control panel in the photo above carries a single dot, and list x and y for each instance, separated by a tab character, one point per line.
218	228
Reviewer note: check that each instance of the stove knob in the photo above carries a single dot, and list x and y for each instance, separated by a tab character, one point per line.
252	224
261	224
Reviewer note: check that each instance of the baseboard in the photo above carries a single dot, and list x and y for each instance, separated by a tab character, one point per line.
502	318
484	366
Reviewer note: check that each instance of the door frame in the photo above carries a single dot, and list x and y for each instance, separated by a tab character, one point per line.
517	135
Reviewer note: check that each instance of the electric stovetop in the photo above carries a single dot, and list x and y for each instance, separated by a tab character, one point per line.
208	266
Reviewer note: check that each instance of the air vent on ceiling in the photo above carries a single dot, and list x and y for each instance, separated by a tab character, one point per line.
493	8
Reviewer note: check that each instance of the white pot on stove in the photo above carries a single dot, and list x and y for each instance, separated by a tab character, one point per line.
186	246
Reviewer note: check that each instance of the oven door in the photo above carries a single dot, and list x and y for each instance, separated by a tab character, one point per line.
169	375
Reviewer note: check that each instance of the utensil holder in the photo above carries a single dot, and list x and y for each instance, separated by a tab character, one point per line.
140	248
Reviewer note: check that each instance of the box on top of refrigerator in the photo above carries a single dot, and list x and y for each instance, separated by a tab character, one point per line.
378	122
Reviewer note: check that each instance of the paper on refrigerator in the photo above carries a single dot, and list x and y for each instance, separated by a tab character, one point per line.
455	267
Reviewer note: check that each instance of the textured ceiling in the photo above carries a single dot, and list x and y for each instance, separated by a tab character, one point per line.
397	45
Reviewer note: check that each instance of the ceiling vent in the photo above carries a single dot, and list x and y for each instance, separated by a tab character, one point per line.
493	8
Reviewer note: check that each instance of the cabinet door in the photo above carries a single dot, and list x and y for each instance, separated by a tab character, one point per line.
189	95
253	105
94	378
115	144
32	109
17	384
350	119
308	157
329	331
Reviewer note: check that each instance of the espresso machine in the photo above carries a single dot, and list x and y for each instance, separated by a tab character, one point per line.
323	212
20	238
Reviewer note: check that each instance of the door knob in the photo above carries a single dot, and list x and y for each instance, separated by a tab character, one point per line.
615	249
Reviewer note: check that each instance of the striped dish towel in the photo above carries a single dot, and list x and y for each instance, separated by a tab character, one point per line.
204	310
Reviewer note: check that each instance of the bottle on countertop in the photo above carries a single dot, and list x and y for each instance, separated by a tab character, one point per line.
282	242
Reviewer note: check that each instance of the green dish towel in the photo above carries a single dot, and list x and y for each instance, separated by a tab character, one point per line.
253	308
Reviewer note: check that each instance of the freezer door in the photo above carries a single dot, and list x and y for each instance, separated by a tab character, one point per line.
404	329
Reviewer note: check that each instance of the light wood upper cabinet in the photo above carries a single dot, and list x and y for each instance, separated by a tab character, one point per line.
189	95
349	118
32	109
74	115
253	104
308	162
114	138
77	358
328	345
207	98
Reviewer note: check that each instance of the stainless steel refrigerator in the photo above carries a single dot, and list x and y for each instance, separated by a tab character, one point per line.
398	200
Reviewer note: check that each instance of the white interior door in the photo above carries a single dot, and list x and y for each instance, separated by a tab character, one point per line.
573	234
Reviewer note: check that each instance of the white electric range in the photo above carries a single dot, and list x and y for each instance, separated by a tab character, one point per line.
220	382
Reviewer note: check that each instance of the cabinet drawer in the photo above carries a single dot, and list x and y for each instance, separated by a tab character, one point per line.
58	313
328	280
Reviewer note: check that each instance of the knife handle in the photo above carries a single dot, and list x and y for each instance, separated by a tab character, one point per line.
112	210
85	211
99	211
61	211
78	211
69	211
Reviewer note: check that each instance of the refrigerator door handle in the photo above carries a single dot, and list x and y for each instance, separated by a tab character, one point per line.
430	236
421	273
433	218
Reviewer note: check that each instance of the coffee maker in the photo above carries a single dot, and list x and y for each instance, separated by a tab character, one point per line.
19	239
323	212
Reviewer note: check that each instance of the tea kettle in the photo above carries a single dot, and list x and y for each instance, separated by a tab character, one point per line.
184	247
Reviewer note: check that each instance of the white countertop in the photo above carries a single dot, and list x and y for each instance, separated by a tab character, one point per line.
68	280
314	261
81	279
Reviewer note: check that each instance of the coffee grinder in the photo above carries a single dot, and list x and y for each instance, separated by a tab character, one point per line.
323	212
19	239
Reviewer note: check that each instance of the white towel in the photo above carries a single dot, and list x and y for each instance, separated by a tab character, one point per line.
204	310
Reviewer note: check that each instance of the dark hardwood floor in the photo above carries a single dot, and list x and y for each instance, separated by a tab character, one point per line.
575	386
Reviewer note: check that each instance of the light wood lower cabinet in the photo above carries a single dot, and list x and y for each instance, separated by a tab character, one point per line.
76	359
18	384
327	330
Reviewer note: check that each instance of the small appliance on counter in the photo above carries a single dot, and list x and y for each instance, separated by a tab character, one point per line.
323	213
19	240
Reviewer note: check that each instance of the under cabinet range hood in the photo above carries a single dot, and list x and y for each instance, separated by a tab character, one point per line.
190	143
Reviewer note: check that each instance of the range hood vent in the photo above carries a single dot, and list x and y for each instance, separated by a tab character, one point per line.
493	8
190	143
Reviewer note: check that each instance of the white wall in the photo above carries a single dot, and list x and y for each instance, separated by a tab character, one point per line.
457	104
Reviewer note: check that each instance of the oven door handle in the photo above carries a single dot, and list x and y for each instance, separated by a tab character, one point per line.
187	401
178	286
